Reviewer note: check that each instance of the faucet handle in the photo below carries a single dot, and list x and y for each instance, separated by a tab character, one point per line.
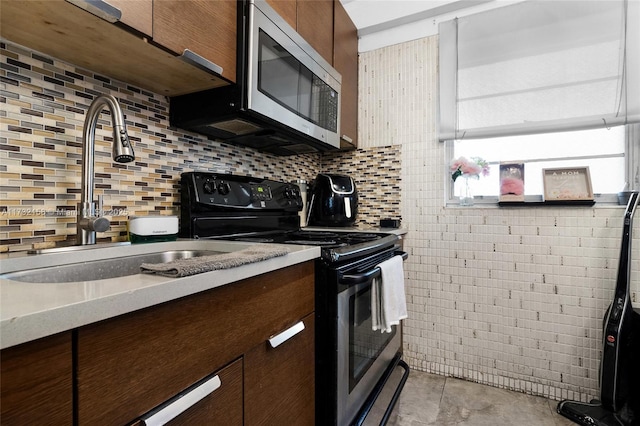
100	223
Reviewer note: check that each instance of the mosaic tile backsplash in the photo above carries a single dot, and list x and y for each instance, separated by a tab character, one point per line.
509	297
376	173
43	103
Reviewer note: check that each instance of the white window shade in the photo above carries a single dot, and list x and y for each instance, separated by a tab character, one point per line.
539	67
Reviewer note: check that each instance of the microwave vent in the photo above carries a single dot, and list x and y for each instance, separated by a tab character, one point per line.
236	126
301	149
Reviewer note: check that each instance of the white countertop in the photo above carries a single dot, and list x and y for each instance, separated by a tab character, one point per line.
29	311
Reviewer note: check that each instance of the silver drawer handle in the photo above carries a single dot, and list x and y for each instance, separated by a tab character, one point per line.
191	57
182	404
280	338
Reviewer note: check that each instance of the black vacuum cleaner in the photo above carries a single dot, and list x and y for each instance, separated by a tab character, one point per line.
619	403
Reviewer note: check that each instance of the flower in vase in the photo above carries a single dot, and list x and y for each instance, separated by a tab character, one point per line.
469	167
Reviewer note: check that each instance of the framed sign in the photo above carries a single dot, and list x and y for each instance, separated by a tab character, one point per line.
566	184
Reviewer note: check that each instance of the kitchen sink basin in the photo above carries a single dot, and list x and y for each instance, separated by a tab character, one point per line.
101	269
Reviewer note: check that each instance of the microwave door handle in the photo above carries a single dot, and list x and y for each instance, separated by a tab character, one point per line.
354	279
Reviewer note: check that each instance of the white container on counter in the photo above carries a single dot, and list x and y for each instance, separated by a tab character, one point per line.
148	229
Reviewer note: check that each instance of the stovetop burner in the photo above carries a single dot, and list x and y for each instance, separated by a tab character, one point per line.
326	240
315	235
336	237
319	243
361	237
329	239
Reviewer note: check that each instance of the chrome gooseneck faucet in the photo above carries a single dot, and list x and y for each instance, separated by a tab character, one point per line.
91	221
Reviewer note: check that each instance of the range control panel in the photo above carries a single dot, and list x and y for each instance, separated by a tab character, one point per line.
208	191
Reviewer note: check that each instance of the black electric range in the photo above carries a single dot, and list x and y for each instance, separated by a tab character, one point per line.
353	362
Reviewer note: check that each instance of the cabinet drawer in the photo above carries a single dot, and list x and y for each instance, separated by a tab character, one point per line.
223	406
279	382
133	363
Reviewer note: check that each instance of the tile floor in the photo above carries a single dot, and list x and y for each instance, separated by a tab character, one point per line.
434	400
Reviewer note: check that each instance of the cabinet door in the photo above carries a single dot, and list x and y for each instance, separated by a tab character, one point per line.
315	25
279	382
137	14
36	384
222	406
60	29
207	28
287	9
130	364
345	61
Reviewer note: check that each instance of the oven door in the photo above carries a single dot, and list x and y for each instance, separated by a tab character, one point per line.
363	354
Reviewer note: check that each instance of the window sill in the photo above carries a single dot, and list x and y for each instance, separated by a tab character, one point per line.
535	201
570	203
536	204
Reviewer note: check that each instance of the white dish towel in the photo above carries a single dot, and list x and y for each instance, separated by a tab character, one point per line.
388	301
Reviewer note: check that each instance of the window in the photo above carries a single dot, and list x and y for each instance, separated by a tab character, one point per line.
551	84
602	150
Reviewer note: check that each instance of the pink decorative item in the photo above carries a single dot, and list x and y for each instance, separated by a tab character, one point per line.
473	167
511	182
467	169
511	185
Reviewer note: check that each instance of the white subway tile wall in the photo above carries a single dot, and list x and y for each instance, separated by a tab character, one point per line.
510	297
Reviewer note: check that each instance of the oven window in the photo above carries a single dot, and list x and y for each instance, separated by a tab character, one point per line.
365	345
286	81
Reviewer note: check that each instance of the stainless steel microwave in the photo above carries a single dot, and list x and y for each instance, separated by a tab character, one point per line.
287	97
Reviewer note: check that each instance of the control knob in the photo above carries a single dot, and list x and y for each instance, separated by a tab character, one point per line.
224	188
209	187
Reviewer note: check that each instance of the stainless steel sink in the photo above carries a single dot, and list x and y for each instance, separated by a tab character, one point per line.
100	269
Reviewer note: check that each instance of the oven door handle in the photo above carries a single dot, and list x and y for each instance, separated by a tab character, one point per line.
354	279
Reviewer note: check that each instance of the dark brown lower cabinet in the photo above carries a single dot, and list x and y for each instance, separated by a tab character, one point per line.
130	365
36	382
239	354
279	382
221	405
